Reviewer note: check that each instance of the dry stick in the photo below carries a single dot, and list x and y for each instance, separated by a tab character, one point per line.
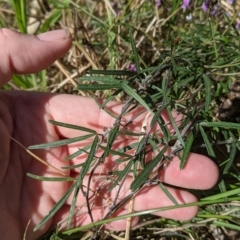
35	156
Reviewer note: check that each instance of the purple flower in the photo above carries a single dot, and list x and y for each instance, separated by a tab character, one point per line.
204	7
132	67
231	1
158	3
207	6
185	4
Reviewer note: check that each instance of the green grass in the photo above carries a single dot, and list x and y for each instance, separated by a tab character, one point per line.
190	66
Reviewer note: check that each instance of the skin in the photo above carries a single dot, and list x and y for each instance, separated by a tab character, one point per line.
24	116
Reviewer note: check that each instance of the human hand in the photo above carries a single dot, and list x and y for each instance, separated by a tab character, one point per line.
25	115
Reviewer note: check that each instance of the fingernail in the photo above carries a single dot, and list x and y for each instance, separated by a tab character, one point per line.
54	35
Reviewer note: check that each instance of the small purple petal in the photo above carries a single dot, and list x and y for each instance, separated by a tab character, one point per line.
132	67
158	3
185	4
204	7
231	1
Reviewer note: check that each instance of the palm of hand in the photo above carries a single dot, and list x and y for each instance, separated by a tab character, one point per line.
25	115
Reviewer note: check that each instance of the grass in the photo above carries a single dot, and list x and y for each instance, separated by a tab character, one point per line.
183	60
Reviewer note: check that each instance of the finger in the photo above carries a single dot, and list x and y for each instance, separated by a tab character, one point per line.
28	53
148	198
199	173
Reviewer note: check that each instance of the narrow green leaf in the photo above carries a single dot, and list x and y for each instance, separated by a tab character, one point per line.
84	170
51	20
90	158
154	145
227	225
164	88
144	174
232	156
125	171
112	152
51	179
168	194
227	125
180	139
61	142
207	143
126	133
185	82
208	85
222	195
126	88
102	79
78	152
94	87
113	72
55	209
72	126
141	146
186	150
134	49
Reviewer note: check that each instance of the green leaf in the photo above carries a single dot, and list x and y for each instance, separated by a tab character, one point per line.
208	85
61	142
84	170
55	209
121	175
78	152
101	79
232	156
113	72
126	88
134	49
51	179
168	194
186	150
108	150
207	143
227	125
222	195
72	126
51	20
144	174
180	139
94	87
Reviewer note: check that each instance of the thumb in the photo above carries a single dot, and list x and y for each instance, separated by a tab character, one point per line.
22	53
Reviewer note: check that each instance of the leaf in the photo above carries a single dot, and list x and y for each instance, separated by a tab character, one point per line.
180	139
78	152
51	179
94	87
51	20
126	88
72	126
208	85
61	142
122	175
186	150
168	194
207	143
108	150
113	72
144	174
84	170
134	49
102	79
55	209
227	125
232	156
